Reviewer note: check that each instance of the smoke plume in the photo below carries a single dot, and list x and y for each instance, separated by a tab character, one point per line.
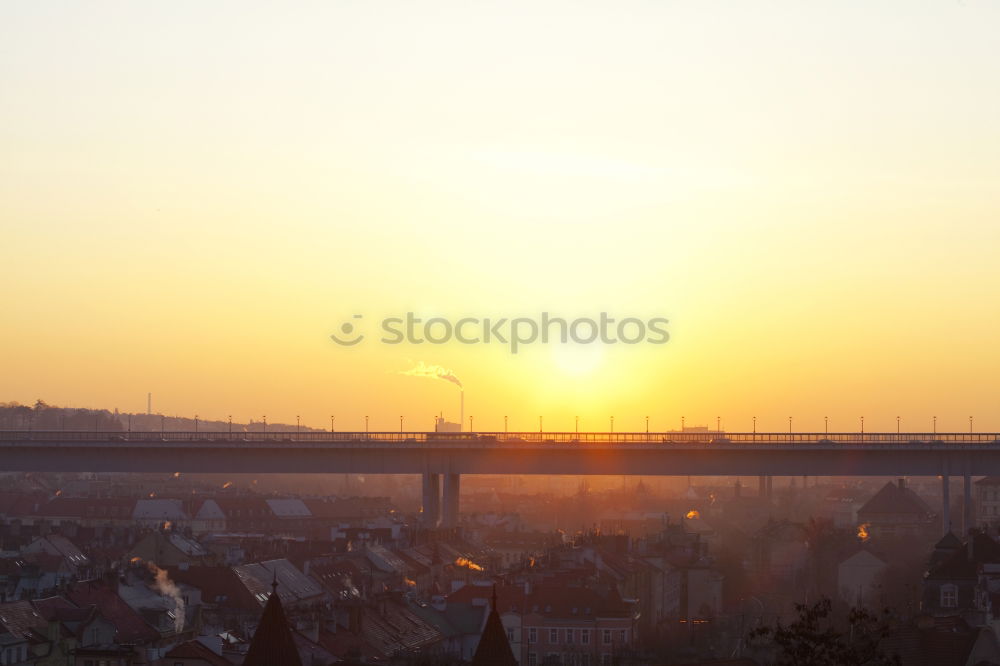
422	369
168	588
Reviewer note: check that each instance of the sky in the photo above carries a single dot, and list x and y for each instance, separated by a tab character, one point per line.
194	196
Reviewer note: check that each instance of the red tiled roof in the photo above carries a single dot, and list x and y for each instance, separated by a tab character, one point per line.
197	650
129	625
509	597
218	585
21	619
891	499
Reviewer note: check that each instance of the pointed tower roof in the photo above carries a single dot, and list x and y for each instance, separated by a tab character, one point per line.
494	648
948	542
272	643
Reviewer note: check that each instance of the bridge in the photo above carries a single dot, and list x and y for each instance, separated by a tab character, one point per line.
441	458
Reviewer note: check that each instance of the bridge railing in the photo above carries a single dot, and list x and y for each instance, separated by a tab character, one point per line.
511	438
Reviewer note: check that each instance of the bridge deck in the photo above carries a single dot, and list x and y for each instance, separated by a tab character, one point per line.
749	454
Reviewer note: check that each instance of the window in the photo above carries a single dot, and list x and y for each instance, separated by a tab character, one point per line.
607	637
585	636
569	636
949	596
622	636
532	659
605	659
510	635
532	635
553	636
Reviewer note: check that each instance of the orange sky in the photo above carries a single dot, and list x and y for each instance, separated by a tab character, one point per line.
194	198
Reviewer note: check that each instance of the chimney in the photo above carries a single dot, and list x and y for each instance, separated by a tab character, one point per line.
902	484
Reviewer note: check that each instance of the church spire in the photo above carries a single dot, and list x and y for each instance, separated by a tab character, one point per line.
494	648
272	643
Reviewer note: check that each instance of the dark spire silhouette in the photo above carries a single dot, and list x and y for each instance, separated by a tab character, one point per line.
494	648
272	643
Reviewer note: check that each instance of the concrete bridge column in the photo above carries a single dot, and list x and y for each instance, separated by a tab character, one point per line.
967	514
450	509
432	500
945	503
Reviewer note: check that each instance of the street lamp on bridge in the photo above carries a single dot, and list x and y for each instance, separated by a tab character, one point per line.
612	424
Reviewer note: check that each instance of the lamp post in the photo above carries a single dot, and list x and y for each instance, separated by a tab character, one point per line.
366	423
230	424
826	425
196	423
505	423
647	425
577	425
265	423
755	425
539	424
935	425
789	425
400	424
862	427
970	425
612	424
718	424
331	423
297	424
897	425
470	424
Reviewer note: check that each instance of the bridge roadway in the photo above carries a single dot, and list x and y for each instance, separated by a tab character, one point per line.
446	456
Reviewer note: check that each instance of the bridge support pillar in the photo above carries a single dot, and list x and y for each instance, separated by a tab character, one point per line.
968	519
945	503
432	500
452	486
